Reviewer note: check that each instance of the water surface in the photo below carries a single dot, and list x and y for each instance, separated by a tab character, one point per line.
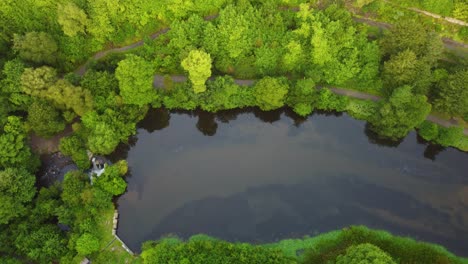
260	177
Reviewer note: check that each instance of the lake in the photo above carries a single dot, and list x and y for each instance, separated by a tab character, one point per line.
255	176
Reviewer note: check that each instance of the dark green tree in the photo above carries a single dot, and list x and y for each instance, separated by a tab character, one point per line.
16	191
14	150
44	119
400	113
452	94
38	47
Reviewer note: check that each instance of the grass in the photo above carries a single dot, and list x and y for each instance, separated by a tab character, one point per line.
111	248
391	13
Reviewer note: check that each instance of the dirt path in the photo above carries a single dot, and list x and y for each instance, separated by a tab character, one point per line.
42	145
449	43
448	19
158	83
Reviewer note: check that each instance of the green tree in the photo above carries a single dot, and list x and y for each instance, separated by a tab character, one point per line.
87	244
14	150
408	34
43	83
72	19
44	119
405	68
207	250
135	77
112	179
16	191
69	97
105	131
364	254
302	96
36	82
198	65
75	147
400	113
43	244
270	93
38	47
452	94
11	83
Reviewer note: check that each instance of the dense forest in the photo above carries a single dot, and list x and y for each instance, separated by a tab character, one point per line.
235	54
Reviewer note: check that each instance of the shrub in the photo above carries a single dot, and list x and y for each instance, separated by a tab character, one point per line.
364	254
209	251
87	244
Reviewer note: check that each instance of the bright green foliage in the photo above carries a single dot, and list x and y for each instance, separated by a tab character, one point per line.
270	93
302	97
38	47
198	65
404	250
443	7
364	254
337	51
72	19
135	77
44	119
67	96
105	131
111	180
200	251
16	190
14	150
401	113
36	82
42	82
460	11
75	147
452	94
294	58
87	244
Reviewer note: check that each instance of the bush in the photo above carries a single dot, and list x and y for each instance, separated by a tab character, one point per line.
44	119
361	109
87	244
428	130
450	136
209	251
364	254
74	147
331	102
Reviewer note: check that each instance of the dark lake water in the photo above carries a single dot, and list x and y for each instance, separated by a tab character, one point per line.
260	177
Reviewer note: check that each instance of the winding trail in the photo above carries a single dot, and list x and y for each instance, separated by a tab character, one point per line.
448	19
159	79
449	43
158	83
